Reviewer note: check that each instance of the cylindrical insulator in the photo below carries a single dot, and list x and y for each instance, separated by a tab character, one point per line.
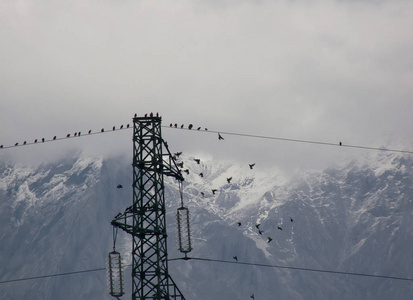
115	274
184	234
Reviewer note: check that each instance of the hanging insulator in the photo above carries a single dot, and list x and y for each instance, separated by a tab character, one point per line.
184	234
115	274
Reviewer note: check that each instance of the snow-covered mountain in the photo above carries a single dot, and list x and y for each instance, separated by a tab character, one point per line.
355	218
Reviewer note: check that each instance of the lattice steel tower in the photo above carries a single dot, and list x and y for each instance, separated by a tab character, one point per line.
145	219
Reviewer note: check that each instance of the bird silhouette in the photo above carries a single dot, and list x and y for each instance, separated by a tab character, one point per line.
252	296
75	133
199	128
341	144
119	186
258	225
42	140
54	138
151	114
190	126
239	224
1	146
235	257
260	232
213	191
68	135
197	160
79	133
201	174
102	130
127	125
146	115
251	166
35	141
121	126
291	219
206	128
16	144
229	179
170	125
279	228
89	131
182	126
220	137
186	171
113	128
24	143
176	125
177	154
203	194
269	240
181	164
136	115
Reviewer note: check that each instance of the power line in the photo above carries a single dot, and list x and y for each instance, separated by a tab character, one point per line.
52	275
222	261
339	144
293	268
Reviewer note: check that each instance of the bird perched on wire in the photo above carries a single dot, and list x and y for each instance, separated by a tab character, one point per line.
68	135
24	143
220	137
182	126
190	126
113	128
75	133
35	141
54	138
42	140
199	128
102	130
251	166
121	126
90	131
229	179
119	186
127	126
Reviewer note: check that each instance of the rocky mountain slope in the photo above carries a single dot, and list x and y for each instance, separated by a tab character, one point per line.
356	218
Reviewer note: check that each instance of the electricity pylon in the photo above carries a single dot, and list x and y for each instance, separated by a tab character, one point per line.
145	219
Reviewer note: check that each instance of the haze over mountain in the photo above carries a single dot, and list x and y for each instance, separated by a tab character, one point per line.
356	218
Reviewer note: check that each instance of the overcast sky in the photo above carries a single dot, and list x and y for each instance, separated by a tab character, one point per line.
317	70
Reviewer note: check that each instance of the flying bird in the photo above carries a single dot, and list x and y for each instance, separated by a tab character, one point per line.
260	232
251	166
229	179
181	164
269	240
119	186
201	174
220	137
186	171
197	160
252	296
279	228
213	191
291	219
235	257
203	194
177	154
258	226
239	224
